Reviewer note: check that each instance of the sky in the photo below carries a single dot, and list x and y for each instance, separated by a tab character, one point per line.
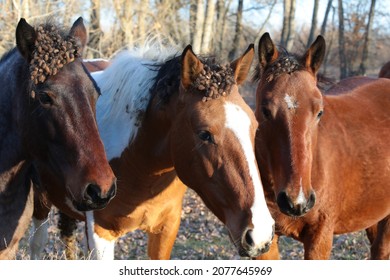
304	13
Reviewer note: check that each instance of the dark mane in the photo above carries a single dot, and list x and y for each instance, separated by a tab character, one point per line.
167	80
214	81
286	63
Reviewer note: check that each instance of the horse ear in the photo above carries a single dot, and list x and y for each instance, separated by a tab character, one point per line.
267	50
191	66
315	55
25	39
242	65
79	32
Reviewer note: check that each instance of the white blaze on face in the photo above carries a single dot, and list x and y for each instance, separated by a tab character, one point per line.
290	101
239	122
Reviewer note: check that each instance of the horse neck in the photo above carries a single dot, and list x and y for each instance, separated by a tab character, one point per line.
13	104
149	153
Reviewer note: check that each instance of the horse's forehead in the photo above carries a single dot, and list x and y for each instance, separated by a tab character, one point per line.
292	89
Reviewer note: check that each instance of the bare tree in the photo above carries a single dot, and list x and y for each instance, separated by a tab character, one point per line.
288	29
124	14
362	68
238	31
196	24
95	31
267	18
208	26
342	55
313	23
222	10
141	15
328	7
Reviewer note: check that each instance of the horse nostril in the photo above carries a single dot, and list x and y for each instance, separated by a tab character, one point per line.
93	192
284	202
249	238
311	201
112	192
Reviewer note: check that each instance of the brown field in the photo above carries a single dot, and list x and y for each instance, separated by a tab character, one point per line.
201	237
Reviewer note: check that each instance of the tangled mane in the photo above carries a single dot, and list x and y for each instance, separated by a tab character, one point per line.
285	64
215	80
53	49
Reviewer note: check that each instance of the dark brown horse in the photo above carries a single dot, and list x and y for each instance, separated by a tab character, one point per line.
47	123
171	120
324	159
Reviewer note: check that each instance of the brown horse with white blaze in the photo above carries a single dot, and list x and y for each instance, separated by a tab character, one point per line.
47	124
174	121
323	158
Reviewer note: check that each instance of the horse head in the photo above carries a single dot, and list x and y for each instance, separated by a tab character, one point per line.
289	110
59	129
212	146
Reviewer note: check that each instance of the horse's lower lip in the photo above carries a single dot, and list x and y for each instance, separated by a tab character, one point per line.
88	206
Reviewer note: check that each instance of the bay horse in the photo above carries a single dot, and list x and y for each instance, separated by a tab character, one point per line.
323	159
384	72
166	122
47	123
96	64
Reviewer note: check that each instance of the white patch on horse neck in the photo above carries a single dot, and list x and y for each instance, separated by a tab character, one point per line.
239	122
291	102
100	248
125	94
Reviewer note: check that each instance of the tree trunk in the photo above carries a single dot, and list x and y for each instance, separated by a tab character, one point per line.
143	7
362	68
288	30
313	23
95	31
198	25
222	11
208	26
270	10
124	12
342	56
238	31
323	27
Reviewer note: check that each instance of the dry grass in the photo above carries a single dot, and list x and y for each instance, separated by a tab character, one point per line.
201	236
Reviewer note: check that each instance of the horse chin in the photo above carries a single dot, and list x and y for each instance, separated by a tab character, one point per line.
254	252
89	206
250	252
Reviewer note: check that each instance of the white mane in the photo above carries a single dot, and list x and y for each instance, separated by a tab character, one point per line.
125	87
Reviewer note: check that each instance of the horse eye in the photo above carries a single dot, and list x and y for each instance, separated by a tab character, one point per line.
45	98
320	113
266	113
206	136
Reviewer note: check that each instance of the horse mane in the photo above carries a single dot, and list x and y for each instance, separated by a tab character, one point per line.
214	81
126	93
54	48
285	63
289	63
128	85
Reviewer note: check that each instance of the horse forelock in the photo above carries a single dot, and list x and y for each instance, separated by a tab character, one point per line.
53	49
215	80
286	63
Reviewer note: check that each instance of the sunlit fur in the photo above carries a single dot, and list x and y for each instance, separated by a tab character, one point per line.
151	126
333	145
